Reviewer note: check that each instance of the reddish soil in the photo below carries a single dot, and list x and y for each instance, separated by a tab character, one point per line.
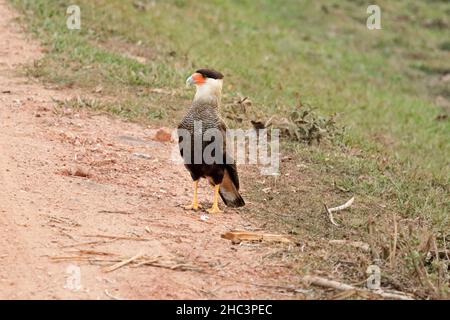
68	177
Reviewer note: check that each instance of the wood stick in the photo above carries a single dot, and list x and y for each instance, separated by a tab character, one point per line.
394	245
122	263
82	258
330	216
115	211
95	252
111	296
179	267
344	206
115	237
238	235
322	282
325	283
344	295
148	262
279	288
330	211
88	243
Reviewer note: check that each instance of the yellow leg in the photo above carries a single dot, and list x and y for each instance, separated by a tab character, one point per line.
215	206
194	205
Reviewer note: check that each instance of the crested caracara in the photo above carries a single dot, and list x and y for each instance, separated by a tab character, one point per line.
204	114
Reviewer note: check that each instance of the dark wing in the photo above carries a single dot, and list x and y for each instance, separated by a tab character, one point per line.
230	164
229	189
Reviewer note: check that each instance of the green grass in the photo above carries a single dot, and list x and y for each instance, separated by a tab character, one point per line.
274	53
383	83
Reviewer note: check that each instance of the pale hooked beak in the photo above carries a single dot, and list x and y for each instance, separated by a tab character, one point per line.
190	81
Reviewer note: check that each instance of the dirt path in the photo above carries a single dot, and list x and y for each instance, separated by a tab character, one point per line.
132	190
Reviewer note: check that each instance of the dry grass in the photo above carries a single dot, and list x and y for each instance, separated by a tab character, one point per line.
293	203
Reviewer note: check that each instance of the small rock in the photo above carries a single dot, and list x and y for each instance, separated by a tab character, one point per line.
235	241
80	172
142	155
163	135
17	103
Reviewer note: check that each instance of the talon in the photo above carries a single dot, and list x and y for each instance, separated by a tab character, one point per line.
192	207
213	210
215	207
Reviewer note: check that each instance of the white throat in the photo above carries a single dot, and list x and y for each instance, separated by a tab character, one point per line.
209	92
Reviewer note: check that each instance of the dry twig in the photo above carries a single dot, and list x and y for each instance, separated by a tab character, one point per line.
330	216
122	263
138	260
394	245
236	236
116	237
344	206
111	296
94	252
89	243
115	211
325	283
330	211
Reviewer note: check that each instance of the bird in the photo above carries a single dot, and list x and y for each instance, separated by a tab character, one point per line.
222	172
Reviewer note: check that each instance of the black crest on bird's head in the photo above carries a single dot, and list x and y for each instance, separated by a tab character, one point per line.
210	73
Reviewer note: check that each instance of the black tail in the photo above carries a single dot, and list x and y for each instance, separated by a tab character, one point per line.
229	192
235	202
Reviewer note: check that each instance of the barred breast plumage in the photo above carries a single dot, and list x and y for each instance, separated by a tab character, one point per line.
207	115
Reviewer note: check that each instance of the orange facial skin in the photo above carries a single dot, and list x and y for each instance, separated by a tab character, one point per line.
198	78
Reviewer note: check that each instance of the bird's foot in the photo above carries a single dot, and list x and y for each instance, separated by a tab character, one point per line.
193	206
214	209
